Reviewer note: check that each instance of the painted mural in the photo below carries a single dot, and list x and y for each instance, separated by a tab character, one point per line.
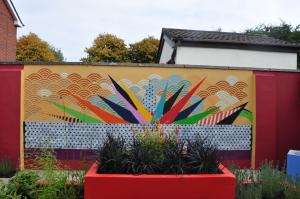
72	107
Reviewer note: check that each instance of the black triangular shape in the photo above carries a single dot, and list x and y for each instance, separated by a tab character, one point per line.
124	113
122	91
230	119
169	103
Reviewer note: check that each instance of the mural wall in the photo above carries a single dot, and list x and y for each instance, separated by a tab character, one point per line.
70	108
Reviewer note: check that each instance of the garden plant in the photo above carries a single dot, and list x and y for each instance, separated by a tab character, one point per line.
269	182
7	169
156	156
52	182
155	151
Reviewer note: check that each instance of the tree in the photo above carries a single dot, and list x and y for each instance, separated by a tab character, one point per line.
58	54
283	31
31	48
106	48
144	51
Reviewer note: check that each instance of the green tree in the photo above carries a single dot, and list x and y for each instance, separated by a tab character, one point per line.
106	48
144	51
282	31
31	48
58	54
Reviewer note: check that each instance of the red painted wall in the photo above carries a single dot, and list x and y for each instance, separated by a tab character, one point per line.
277	115
10	83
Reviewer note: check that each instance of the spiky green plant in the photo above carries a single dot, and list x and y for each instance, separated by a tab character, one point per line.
158	152
201	156
113	155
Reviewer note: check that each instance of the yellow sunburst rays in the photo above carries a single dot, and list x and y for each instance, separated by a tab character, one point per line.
140	107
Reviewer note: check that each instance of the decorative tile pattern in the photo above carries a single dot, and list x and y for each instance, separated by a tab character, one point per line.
90	136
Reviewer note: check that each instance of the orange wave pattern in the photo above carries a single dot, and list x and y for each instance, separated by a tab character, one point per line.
235	90
46	84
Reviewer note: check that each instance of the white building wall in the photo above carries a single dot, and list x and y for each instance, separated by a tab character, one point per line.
167	51
235	58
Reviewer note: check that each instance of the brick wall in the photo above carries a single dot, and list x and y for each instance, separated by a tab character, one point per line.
8	31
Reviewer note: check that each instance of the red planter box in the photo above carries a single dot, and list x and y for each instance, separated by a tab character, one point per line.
124	186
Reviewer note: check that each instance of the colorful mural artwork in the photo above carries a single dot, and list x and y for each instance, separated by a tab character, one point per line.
81	98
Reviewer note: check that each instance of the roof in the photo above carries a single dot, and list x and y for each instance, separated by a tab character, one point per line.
184	37
11	7
224	37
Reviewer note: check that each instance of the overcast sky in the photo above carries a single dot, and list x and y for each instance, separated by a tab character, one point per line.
72	25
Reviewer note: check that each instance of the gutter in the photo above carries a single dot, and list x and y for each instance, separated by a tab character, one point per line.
14	13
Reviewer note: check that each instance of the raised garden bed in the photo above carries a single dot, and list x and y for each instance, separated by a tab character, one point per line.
192	186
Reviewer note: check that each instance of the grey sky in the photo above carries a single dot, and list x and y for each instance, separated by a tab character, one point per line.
72	25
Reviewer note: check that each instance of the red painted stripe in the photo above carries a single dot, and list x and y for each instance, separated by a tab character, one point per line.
171	114
104	115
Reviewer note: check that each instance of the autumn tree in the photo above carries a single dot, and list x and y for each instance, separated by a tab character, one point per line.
106	48
144	51
31	48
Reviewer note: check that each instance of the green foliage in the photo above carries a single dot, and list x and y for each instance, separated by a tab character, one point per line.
152	142
173	162
246	188
292	190
53	183
106	48
157	152
31	48
140	161
23	184
271	179
7	169
4	194
112	155
283	31
201	157
58	54
267	183
110	48
144	51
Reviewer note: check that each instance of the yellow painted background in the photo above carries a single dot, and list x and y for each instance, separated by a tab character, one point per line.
36	107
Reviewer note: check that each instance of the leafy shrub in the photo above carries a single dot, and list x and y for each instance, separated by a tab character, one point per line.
145	154
4	194
7	169
55	185
268	182
246	184
271	180
292	190
23	184
157	152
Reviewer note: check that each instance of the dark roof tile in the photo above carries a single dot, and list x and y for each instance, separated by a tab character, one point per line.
224	37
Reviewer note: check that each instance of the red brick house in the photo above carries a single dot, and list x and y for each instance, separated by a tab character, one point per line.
9	22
